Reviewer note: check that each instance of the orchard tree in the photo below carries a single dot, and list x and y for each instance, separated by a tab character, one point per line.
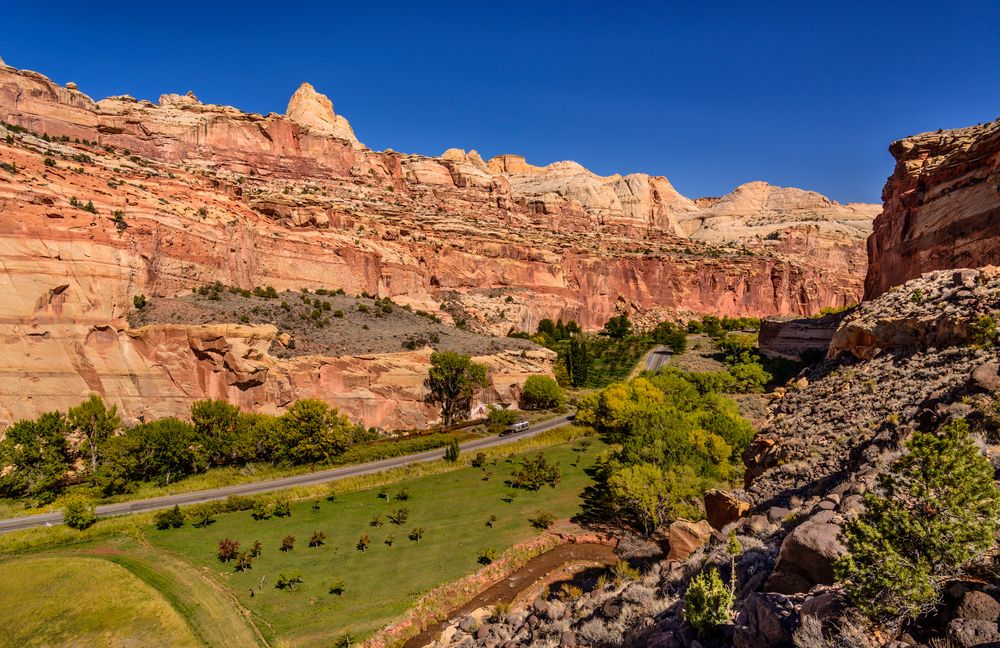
97	423
452	382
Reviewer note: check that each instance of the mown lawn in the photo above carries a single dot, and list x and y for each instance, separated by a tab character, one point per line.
82	601
381	582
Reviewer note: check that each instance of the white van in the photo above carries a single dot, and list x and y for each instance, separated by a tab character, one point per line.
520	426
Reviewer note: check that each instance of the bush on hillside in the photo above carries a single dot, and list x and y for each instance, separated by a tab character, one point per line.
708	603
938	509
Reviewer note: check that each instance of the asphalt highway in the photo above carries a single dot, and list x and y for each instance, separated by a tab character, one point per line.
254	488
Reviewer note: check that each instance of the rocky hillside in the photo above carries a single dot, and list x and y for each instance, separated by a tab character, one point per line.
831	433
942	207
103	201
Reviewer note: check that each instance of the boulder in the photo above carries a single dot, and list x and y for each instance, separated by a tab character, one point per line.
765	620
685	537
723	508
806	558
973	633
976	604
986	377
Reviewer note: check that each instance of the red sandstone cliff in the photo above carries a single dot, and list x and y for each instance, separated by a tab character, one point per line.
208	193
942	207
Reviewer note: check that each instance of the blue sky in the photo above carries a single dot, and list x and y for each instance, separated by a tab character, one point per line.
709	94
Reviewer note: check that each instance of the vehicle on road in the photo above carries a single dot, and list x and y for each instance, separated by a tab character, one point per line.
514	428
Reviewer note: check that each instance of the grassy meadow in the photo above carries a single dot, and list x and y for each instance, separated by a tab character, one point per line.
170	589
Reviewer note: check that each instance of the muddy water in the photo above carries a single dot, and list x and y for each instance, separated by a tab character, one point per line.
506	590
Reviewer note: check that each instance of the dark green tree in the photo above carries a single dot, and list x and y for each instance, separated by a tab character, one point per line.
618	327
541	392
311	431
36	457
452	382
938	509
577	360
215	426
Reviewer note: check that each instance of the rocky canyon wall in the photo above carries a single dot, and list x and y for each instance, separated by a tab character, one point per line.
103	201
942	207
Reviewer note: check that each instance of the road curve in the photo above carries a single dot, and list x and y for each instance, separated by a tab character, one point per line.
254	488
657	357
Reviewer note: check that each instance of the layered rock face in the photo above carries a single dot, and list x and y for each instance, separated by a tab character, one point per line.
184	194
942	207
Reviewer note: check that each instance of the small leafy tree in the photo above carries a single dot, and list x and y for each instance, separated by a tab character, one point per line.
337	586
452	381
288	543
487	556
400	516
79	513
417	534
708	602
287	582
363	542
938	509
172	518
255	549
228	550
542	520
244	562
617	327
542	392
317	539
535	472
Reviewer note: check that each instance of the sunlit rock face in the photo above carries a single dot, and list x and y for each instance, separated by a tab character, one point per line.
942	207
208	193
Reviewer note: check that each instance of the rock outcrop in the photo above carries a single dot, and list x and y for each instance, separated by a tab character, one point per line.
942	207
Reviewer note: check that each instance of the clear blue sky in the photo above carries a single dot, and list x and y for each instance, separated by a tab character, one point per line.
709	94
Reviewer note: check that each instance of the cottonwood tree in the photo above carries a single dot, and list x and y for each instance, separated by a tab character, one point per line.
34	458
452	382
97	423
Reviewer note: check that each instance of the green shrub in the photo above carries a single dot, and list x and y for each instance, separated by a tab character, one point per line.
707	602
172	518
453	451
938	509
139	301
542	520
487	556
984	331
541	392
78	513
497	418
337	587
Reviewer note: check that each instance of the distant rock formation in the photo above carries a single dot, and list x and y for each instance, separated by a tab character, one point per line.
315	110
942	207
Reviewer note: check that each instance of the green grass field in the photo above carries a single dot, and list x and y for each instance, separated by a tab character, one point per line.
81	601
384	580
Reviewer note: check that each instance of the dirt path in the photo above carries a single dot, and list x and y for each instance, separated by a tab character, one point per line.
507	590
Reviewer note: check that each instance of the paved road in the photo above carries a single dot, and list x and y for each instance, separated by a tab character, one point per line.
319	477
657	358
